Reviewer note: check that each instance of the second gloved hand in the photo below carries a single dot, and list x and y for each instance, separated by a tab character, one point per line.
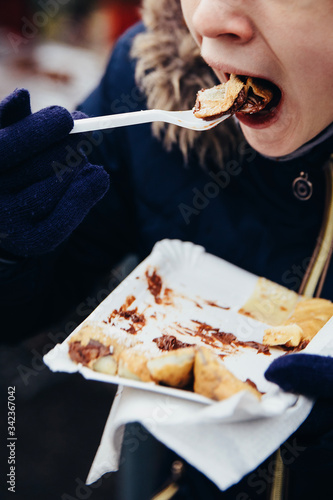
308	374
47	185
312	376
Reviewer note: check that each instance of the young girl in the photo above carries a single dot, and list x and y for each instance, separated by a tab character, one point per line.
270	172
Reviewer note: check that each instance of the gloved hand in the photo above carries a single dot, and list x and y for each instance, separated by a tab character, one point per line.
307	374
310	375
308	453
47	185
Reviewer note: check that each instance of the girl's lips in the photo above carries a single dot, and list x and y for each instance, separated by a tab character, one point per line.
262	119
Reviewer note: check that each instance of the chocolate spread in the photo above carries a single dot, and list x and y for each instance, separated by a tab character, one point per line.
209	335
137	320
213	304
86	353
253	104
298	348
205	332
238	104
253	384
261	348
169	343
133	316
154	285
225	338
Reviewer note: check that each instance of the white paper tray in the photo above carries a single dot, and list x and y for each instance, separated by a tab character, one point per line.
197	279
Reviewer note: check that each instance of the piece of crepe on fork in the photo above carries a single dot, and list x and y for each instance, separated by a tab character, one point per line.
239	94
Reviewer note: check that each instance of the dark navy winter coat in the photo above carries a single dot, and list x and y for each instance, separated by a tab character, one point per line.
246	213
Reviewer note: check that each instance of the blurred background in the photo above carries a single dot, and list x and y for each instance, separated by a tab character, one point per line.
57	49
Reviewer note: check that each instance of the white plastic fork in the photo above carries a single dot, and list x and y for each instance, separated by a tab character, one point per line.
184	119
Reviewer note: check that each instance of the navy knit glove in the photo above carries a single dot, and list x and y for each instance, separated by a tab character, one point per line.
47	185
310	375
308	453
306	374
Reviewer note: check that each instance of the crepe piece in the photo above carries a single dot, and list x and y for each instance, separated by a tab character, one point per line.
133	365
213	380
270	302
289	335
106	364
174	368
221	99
239	94
308	317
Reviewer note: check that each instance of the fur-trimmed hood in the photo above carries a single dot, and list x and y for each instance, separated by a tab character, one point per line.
170	71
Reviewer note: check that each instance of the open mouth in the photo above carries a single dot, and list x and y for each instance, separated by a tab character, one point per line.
262	96
241	94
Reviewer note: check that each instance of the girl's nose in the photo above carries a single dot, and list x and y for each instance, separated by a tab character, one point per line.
223	18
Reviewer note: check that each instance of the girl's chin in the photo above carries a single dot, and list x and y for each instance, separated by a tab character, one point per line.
266	131
271	134
268	143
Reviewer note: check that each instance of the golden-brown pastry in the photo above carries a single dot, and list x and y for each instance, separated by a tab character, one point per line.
92	347
221	99
174	368
106	364
288	335
213	380
239	94
89	345
308	317
133	364
88	332
270	303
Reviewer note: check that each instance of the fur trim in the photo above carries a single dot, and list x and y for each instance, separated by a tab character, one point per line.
170	71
